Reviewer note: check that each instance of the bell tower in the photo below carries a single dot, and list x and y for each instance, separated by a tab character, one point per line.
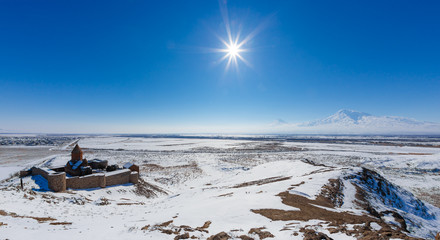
77	153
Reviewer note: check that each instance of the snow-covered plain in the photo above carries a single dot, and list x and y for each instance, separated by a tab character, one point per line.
156	144
225	186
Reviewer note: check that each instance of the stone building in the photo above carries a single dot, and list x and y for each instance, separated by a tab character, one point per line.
77	174
77	166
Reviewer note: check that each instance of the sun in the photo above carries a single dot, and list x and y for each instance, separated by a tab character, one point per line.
233	49
234	43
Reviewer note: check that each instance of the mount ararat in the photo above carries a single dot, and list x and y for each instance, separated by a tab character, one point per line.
354	122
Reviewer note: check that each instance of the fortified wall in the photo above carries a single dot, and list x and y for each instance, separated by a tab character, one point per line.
58	181
81	174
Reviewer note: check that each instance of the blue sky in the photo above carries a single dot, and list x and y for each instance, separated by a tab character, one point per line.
144	66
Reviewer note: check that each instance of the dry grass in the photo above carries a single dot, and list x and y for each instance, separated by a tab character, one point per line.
171	175
148	190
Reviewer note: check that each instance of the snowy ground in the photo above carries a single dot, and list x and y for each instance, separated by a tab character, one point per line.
206	186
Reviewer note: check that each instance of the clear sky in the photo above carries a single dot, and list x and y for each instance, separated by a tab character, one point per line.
147	66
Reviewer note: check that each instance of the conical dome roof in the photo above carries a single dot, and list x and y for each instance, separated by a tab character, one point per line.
76	149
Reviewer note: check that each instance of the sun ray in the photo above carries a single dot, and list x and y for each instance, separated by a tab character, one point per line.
245	61
234	42
229	63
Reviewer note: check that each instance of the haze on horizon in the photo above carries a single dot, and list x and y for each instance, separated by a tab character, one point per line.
149	67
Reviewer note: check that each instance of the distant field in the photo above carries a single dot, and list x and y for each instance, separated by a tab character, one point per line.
203	186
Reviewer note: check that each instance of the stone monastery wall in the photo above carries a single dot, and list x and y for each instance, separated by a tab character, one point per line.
58	182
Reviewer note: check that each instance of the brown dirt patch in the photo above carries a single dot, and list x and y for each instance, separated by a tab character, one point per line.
333	192
298	184
314	163
60	223
182	236
155	167
165	224
182	231
262	234
308	211
103	201
132	203
244	237
318	171
226	194
310	234
262	181
331	197
14	215
219	236
151	167
206	225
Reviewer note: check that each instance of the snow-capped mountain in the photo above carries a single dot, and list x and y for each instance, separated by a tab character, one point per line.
354	122
4	131
342	116
349	117
278	122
